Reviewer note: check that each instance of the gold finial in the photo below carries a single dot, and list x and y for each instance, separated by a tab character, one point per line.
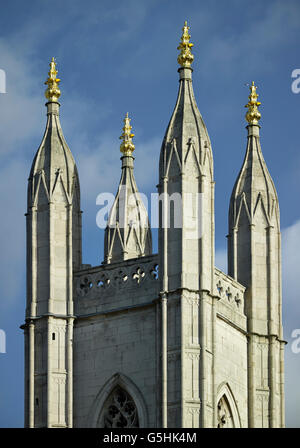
127	147
253	115
52	92
185	57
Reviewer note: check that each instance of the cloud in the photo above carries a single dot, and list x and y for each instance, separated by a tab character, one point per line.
13	177
290	276
221	259
19	112
292	390
100	166
291	318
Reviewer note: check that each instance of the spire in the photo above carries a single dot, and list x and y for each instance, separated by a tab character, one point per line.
254	198
127	147
254	180
185	57
186	155
52	93
54	155
128	233
253	115
53	254
53	171
186	248
254	260
186	127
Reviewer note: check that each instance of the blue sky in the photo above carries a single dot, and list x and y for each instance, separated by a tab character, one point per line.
117	56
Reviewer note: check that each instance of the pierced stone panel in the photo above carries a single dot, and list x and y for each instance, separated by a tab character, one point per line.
229	291
84	285
102	281
120	410
139	275
154	272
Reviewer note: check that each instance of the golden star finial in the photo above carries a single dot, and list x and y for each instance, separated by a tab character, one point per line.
52	92
185	57
253	115
127	147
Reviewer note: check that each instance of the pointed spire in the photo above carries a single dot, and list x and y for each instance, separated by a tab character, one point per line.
128	232
52	92
127	147
185	57
54	156
253	115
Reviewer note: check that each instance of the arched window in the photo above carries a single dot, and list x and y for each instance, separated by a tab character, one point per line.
118	404
227	411
224	414
119	411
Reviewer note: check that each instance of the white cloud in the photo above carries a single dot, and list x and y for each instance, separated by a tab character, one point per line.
100	167
291	318
290	275
19	112
292	390
13	180
248	48
221	259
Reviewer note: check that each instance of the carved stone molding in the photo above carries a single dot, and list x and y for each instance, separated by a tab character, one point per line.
193	410
59	380
192	355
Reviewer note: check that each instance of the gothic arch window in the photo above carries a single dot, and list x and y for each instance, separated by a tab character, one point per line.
224	414
119	410
118	404
227	411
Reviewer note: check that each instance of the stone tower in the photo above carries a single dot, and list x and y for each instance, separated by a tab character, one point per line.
154	340
186	254
53	253
254	259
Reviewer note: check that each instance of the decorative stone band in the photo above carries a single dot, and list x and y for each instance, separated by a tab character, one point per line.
106	280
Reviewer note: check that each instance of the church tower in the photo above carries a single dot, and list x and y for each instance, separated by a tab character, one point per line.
254	259
154	339
53	252
186	254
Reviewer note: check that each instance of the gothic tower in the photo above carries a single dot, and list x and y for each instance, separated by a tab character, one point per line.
53	252
254	259
186	254
154	340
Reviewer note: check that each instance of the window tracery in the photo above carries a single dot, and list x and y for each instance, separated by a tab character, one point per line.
120	410
225	419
